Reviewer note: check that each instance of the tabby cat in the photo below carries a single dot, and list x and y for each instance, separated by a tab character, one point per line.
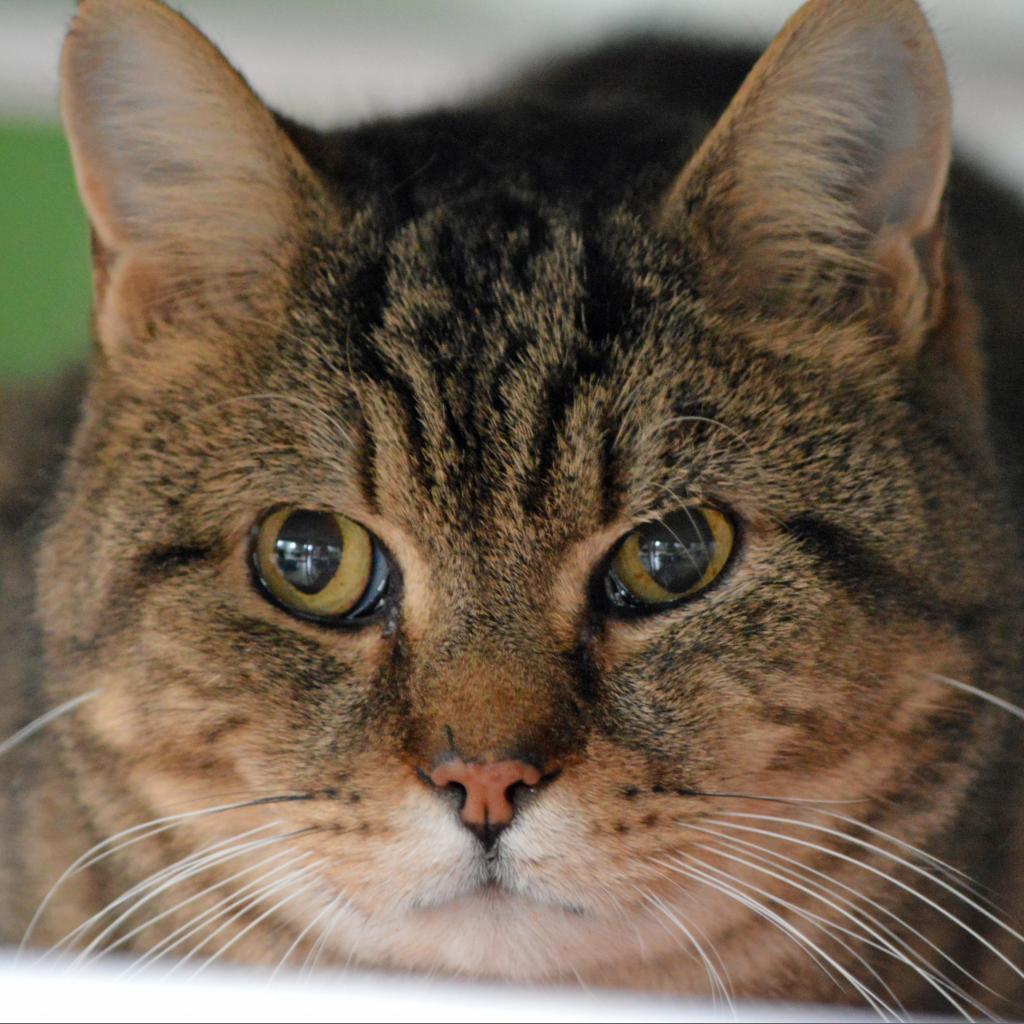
567	538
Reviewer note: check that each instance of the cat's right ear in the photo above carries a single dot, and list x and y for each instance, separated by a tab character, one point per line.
192	189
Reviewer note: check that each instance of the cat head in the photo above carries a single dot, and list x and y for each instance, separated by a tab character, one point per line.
416	494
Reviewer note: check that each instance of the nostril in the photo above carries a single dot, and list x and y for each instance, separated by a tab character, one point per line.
519	794
456	793
452	792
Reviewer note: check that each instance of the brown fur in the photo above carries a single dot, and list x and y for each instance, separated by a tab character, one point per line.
782	342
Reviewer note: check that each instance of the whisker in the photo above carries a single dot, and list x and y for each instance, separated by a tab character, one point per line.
313	956
93	856
951	872
792	801
266	913
149	922
155	826
674	497
37	724
718	986
207	917
167	878
820	807
832	930
327	910
821	958
873	936
832	883
237	909
894	881
974	691
876	1003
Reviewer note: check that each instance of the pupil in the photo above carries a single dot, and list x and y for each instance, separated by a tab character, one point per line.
677	551
308	550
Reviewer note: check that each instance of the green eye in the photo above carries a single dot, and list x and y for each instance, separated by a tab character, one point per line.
320	565
663	563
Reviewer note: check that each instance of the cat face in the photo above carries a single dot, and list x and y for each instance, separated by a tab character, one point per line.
501	387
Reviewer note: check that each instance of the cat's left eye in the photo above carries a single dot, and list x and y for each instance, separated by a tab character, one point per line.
320	565
666	562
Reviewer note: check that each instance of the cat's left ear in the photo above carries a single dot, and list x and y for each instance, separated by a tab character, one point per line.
819	195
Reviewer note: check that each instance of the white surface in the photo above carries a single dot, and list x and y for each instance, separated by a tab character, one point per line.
335	61
31	994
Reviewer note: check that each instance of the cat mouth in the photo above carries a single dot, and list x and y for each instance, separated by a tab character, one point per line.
494	890
498	896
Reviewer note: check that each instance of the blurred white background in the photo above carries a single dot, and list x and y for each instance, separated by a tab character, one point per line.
337	60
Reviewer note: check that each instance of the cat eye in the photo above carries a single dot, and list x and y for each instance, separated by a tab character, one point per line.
320	565
664	563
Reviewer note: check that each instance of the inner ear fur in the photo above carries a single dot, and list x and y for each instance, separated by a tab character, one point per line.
190	185
819	194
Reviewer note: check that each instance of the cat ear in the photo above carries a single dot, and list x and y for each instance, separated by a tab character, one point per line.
820	190
189	183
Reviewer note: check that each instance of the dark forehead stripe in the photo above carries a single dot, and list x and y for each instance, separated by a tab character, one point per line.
602	318
485	252
500	272
363	306
366	461
380	372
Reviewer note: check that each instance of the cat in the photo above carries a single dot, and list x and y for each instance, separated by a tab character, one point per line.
569	538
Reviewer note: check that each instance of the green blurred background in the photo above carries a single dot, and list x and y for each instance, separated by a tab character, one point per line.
44	267
330	61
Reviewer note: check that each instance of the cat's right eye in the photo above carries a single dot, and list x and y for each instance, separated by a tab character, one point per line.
320	565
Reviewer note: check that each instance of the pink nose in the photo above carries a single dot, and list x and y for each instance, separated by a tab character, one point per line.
488	806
